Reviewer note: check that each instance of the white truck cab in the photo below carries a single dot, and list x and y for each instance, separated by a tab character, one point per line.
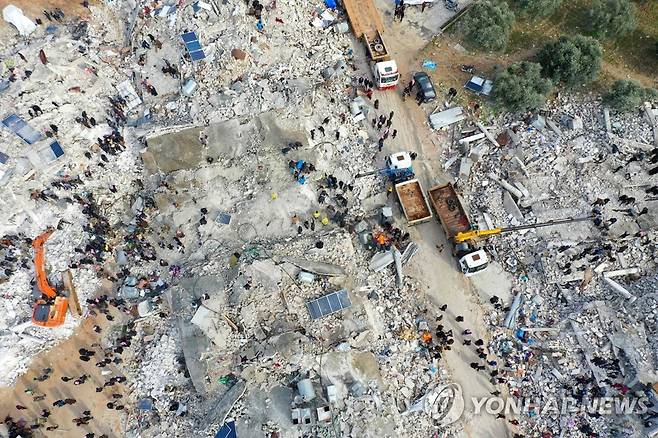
399	160
386	74
474	262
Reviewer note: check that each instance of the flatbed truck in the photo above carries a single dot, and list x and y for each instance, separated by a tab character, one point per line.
454	220
367	26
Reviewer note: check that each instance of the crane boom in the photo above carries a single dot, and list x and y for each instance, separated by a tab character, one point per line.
473	234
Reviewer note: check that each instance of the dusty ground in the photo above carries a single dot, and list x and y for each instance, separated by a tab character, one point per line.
436	270
35	8
64	360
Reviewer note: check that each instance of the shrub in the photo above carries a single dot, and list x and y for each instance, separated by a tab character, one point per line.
538	8
628	95
521	87
488	25
612	18
571	60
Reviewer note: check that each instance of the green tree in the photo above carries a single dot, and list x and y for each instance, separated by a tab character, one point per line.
612	18
488	24
571	60
628	95
538	8
521	87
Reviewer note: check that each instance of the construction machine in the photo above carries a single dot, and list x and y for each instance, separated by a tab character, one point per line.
474	234
398	168
50	309
413	201
368	26
464	235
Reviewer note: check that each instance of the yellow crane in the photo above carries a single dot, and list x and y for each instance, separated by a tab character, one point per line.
474	234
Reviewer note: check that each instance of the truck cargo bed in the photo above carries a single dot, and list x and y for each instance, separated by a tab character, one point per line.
414	203
449	209
364	18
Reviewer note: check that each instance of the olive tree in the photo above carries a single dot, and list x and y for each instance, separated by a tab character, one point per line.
571	60
521	87
537	8
488	24
627	95
612	18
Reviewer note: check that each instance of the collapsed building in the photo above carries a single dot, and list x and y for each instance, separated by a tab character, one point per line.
261	313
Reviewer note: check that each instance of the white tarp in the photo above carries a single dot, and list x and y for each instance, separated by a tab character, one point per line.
12	14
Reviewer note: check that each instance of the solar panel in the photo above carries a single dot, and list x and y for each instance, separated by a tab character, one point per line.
227	430
191	41
3	158
22	129
189	36
193	46
57	149
223	218
328	304
197	56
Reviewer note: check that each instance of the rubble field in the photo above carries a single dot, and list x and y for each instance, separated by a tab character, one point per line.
214	176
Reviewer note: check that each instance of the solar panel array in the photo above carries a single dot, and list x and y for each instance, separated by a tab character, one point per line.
328	304
22	129
191	41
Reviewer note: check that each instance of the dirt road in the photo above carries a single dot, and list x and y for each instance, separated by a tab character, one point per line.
64	361
437	270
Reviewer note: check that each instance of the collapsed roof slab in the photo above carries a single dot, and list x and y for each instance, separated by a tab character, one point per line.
174	151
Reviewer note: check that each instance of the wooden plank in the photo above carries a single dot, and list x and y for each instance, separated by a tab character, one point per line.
74	304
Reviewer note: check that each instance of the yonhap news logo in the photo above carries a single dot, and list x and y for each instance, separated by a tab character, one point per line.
563	405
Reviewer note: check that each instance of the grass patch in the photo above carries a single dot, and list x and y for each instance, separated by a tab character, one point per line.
631	56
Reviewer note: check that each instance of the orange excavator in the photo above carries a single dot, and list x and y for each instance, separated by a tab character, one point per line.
50	309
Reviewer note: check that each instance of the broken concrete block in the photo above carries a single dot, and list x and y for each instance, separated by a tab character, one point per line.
553	126
342	27
478	151
573	122
465	168
511	207
238	54
538	122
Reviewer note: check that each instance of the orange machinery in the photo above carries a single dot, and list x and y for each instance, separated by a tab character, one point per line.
50	309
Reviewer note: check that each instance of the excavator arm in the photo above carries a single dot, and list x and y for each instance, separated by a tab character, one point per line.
474	234
40	264
50	312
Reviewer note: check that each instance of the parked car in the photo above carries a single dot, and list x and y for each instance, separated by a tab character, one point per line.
424	87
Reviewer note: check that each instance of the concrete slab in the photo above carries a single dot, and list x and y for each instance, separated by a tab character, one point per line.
174	151
511	207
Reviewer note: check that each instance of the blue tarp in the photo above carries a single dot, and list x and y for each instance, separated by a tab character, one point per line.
4	84
145	404
3	158
429	64
22	129
331	4
227	431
